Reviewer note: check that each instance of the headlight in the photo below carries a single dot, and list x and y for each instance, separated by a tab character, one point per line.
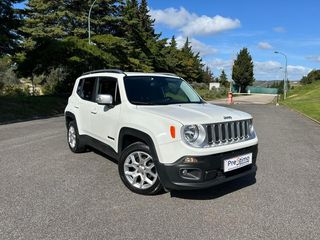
194	135
251	128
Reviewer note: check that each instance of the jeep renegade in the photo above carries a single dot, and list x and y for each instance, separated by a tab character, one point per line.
161	132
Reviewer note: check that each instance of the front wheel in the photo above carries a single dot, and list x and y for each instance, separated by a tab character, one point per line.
138	171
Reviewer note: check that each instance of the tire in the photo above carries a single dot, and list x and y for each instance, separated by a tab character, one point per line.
73	138
137	170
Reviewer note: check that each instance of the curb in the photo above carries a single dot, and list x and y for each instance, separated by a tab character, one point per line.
301	113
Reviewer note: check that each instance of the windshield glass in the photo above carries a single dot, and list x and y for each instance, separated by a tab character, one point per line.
152	90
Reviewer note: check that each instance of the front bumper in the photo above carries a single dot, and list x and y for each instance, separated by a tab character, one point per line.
209	169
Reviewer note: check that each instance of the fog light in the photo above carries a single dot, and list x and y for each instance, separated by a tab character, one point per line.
190	160
190	173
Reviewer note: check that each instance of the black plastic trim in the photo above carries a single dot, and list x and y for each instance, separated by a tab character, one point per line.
100	146
211	167
71	115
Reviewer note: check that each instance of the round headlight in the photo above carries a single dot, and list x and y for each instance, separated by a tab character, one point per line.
194	135
191	133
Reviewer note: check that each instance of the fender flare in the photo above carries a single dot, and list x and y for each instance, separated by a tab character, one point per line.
69	115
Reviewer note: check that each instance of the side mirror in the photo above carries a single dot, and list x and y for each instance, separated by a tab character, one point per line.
104	99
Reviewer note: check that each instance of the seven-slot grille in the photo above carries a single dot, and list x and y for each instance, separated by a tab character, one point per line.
228	132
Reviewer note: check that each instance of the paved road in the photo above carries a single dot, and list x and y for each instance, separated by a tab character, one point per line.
249	99
46	192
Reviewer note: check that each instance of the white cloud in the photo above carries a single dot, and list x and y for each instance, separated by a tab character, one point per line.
190	24
197	46
264	45
268	70
205	25
314	58
219	64
172	17
272	70
279	29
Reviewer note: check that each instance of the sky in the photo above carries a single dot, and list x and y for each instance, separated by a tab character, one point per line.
218	29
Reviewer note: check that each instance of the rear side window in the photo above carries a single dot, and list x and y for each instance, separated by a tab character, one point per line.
109	86
86	88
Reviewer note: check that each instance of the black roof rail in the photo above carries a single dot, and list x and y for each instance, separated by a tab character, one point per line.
105	71
169	74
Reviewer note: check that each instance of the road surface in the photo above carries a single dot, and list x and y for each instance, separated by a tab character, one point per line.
248	99
47	192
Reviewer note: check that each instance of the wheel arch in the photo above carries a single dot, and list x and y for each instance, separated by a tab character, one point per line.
69	116
133	135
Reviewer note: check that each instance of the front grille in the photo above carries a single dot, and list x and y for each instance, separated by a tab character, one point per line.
228	132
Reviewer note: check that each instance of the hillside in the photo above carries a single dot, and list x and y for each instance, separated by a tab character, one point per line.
305	99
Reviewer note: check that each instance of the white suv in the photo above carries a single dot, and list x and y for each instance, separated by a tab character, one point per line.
160	131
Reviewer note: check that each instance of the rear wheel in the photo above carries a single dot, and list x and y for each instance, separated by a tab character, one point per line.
138	171
73	138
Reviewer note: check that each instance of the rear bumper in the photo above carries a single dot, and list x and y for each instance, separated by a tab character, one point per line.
208	169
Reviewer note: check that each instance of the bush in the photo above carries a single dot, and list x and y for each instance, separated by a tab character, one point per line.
203	86
212	94
54	80
15	90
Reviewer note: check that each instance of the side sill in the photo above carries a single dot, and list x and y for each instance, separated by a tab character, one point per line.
100	146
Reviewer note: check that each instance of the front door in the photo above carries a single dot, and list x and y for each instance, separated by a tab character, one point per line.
105	119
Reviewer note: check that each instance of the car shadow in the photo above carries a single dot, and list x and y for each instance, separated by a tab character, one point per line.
202	194
102	155
216	191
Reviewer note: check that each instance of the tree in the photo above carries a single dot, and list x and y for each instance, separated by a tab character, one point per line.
60	19
242	71
208	75
312	76
10	21
223	79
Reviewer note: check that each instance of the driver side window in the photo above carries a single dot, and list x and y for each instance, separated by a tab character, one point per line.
109	86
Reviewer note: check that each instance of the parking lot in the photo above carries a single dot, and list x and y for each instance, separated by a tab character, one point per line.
47	192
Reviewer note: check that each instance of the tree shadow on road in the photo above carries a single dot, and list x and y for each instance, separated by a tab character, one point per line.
216	191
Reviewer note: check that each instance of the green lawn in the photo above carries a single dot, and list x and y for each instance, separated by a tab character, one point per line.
305	99
23	108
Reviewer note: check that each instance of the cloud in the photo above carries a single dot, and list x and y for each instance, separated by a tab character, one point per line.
279	29
205	25
264	45
272	70
220	64
190	24
172	17
313	58
197	46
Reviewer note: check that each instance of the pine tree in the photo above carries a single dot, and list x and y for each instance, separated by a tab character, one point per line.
208	75
242	71
190	65
9	23
59	19
223	79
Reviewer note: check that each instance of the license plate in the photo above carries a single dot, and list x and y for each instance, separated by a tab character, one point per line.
237	162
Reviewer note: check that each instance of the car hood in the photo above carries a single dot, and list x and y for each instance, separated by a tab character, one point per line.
196	113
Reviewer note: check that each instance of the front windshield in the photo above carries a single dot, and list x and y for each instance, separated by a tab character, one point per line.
152	90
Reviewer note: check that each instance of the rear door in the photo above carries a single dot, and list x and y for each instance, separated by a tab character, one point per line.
86	91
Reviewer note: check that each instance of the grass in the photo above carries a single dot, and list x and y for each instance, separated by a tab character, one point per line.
305	99
13	109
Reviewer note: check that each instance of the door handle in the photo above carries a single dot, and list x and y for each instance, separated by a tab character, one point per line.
77	107
94	111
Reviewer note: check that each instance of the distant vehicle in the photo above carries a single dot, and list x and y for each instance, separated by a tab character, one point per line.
161	132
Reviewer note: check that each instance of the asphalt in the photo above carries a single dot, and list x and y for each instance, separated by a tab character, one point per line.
248	99
47	192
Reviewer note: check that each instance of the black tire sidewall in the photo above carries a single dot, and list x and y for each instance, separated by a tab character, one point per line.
139	146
